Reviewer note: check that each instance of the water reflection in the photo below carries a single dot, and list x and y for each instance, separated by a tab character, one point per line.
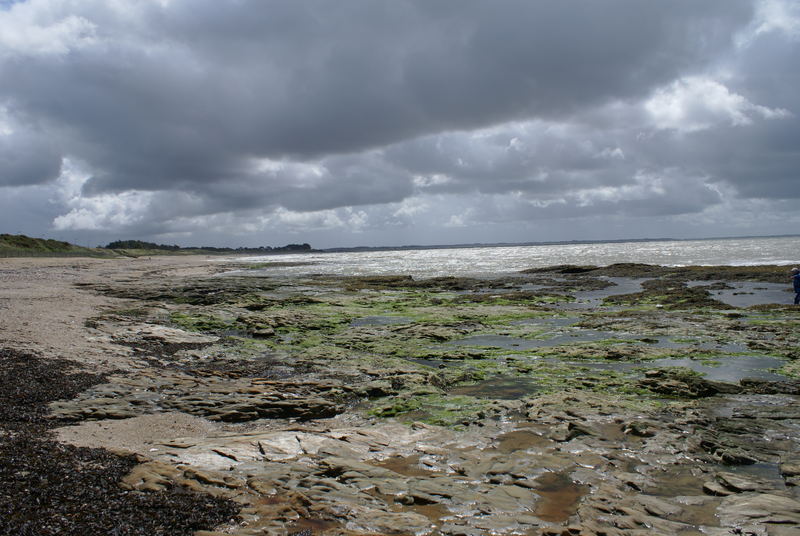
594	298
729	369
491	261
747	293
500	388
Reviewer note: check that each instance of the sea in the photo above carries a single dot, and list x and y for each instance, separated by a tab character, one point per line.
493	261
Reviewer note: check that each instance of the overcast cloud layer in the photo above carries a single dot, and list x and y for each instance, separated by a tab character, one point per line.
363	122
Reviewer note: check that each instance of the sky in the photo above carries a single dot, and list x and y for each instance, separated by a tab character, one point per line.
394	122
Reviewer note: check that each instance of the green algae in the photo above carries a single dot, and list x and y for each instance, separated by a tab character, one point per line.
202	322
405	369
131	313
435	409
791	369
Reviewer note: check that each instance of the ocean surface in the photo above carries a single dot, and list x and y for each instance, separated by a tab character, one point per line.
493	261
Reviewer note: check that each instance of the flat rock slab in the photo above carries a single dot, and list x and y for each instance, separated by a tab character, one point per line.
161	334
215	398
760	508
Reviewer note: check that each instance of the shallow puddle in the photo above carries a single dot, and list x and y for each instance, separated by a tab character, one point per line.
578	336
726	406
678	481
560	496
312	526
699	344
594	298
554	321
521	440
436	513
748	293
379	321
699	513
730	369
769	473
515	343
406	466
500	388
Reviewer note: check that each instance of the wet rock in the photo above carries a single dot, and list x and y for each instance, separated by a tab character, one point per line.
210	291
758	386
640	429
765	509
349	468
726	451
571	430
220	399
740	483
684	384
716	489
161	334
788	412
451	529
659	507
560	433
790	466
389	523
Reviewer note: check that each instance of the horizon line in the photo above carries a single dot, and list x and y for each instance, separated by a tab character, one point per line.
545	243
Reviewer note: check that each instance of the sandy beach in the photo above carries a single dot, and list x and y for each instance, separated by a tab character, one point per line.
45	312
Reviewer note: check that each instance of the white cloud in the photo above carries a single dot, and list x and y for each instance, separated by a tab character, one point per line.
645	186
102	212
699	103
6	129
105	212
410	207
435	179
342	218
299	174
611	154
458	220
28	29
778	15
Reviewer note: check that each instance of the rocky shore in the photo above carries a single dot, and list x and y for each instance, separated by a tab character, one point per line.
172	396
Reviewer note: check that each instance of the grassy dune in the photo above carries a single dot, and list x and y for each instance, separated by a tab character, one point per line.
25	246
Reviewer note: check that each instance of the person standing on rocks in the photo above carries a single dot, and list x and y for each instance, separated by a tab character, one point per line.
796	282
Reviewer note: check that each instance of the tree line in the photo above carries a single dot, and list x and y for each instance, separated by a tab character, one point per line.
139	244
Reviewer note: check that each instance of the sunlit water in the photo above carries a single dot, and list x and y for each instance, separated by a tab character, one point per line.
493	261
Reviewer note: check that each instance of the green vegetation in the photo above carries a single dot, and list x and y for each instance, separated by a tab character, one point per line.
201	322
25	246
398	344
436	409
139	248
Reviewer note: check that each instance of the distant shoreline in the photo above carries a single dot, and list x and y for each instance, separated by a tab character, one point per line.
39	247
356	249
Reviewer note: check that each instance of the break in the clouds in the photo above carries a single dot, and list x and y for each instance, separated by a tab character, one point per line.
388	122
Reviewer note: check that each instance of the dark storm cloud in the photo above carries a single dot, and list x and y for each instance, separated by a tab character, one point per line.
535	157
763	160
758	159
218	116
27	158
181	95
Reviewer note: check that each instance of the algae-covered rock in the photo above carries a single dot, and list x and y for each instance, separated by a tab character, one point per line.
214	398
390	425
684	384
